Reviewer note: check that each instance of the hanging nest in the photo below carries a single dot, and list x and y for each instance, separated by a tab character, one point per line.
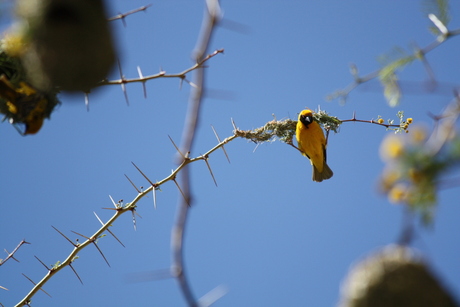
20	102
69	44
394	276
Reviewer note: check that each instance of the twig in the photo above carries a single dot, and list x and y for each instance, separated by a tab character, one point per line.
122	16
370	122
419	53
11	255
162	74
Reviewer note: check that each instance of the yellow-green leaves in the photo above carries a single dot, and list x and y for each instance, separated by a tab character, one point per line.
414	172
393	61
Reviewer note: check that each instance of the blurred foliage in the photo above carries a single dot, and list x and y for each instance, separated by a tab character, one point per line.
392	62
440	8
397	59
415	172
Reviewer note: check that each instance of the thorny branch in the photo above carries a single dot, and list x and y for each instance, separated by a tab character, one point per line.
282	129
162	74
11	255
119	209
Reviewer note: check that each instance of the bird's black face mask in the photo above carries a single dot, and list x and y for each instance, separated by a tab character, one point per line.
306	120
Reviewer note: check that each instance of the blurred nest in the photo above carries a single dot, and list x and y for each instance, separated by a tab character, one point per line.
20	102
394	276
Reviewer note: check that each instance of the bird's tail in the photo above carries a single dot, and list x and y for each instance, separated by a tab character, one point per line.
325	174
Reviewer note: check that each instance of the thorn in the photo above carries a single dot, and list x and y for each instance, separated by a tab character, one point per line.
191	84
177	148
134	220
75	245
138	191
210	171
154	198
135	212
35	284
354	115
122	83
87	101
114	203
108	230
234	125
234	26
42	263
70	265
438	23
255	148
153	184
122	16
100	221
218	139
141	76
4	288
92	240
10	255
95	244
180	190
148	276
212	296
145	7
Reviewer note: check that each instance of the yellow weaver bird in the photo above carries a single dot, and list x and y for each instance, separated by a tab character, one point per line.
312	144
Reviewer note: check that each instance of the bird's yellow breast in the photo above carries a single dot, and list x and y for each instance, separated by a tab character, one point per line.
311	140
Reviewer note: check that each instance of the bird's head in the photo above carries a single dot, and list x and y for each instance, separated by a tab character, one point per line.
306	117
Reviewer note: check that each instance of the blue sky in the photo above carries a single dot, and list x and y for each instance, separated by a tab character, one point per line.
267	233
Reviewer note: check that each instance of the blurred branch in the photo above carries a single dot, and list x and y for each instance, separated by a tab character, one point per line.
162	74
390	68
122	16
402	126
210	20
